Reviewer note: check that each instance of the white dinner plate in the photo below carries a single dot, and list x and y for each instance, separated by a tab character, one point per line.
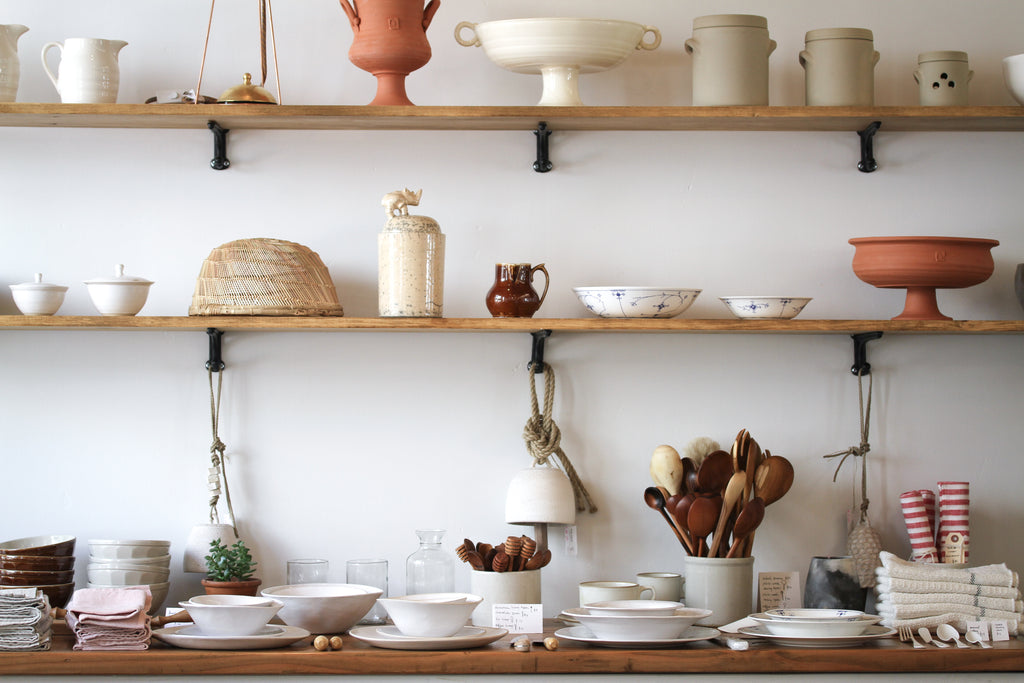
872	633
189	636
391	638
582	634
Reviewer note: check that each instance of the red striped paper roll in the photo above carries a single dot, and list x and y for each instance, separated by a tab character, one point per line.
928	496
954	512
915	515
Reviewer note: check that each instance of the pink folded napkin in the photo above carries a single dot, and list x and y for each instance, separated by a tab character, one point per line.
110	618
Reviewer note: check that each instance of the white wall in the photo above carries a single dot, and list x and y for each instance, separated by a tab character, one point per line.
341	444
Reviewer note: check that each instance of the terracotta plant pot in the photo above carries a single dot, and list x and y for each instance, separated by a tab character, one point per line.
922	264
231	587
390	42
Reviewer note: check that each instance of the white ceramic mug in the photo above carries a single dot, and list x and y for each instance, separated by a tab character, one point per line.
666	585
600	591
88	70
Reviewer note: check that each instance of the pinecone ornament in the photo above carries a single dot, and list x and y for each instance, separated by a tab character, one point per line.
863	545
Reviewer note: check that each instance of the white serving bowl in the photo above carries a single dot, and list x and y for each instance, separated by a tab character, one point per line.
232	618
157	590
636	302
1013	74
38	297
127	577
643	627
816	628
143	563
634	608
227	599
323	607
814	614
118	295
558	48
127	549
431	615
765	306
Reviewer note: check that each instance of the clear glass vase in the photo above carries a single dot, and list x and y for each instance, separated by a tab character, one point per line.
430	569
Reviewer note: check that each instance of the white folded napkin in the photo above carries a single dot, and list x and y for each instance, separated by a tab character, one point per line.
911	587
988	575
947	598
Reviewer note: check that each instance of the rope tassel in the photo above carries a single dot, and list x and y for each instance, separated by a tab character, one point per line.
542	437
217	470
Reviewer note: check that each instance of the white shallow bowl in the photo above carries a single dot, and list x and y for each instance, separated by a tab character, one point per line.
38	297
239	619
816	628
127	577
1013	74
558	48
118	295
636	302
814	614
157	590
634	608
644	627
323	607
431	615
765	306
143	563
127	549
225	599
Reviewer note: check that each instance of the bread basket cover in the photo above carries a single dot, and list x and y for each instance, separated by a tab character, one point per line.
264	276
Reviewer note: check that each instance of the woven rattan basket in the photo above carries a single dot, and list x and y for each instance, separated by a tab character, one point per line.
264	277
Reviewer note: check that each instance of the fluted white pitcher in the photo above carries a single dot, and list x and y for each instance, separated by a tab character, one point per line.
88	70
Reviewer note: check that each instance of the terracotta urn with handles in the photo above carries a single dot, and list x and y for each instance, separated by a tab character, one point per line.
390	41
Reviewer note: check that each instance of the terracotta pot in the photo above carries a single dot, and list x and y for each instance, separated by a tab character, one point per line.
390	42
231	587
922	264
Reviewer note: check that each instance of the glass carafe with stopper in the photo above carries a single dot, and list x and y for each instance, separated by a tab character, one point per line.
430	569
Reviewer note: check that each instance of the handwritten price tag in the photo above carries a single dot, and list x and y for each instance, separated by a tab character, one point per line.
778	590
527	619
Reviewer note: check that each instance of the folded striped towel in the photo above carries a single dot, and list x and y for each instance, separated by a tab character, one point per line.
987	575
912	587
952	599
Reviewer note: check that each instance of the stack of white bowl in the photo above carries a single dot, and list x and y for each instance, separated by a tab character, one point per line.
119	563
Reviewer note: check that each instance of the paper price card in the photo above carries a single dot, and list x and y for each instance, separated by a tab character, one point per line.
518	618
777	590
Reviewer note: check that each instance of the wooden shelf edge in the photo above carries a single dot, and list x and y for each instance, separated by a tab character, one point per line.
634	325
622	118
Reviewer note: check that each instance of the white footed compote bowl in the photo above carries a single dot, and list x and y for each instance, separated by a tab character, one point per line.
560	49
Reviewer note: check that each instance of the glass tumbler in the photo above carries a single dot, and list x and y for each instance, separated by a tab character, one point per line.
370	573
307	571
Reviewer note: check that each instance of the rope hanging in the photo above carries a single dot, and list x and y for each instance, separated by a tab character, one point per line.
860	451
542	437
217	469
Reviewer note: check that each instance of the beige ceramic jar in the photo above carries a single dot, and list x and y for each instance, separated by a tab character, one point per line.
839	65
942	78
730	60
410	266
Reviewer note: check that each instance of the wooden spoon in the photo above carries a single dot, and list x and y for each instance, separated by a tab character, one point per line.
701	520
655	499
690	475
773	478
746	522
714	473
667	469
754	459
679	513
739	451
733	491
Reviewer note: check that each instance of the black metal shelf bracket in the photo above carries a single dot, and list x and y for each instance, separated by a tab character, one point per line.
543	164
215	363
861	366
220	159
867	162
537	357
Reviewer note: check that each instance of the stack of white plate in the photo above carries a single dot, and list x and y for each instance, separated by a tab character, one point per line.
636	623
816	627
120	563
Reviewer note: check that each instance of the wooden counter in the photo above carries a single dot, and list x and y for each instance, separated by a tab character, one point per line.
882	656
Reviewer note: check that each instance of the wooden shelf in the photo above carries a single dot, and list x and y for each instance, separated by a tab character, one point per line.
315	117
883	656
635	325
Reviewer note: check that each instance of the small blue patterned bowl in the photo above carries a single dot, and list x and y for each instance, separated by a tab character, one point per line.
765	306
636	302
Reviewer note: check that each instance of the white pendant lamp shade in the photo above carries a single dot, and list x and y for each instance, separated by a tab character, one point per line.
540	495
197	547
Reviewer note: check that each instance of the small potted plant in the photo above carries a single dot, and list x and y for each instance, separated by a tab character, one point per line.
229	570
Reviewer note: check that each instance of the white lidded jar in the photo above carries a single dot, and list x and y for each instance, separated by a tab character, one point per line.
839	66
942	77
730	60
410	267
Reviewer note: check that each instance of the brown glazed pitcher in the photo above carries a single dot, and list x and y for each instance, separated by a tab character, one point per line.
513	295
390	41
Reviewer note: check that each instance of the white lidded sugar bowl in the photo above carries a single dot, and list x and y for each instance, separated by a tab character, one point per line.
118	295
38	297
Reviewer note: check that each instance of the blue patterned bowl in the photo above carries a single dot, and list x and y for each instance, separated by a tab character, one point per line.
765	306
636	302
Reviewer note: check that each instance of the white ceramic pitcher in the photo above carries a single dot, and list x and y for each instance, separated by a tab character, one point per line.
88	70
10	67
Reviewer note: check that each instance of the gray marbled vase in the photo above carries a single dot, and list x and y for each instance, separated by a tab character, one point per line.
832	583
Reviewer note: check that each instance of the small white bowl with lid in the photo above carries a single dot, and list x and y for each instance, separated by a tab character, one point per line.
38	297
118	295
